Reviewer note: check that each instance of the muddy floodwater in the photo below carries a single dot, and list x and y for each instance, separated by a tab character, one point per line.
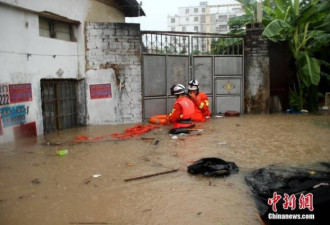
87	186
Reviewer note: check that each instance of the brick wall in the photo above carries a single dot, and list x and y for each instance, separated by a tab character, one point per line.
115	47
255	45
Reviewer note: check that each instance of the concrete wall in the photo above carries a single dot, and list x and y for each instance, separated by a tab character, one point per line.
25	57
113	56
98	12
257	75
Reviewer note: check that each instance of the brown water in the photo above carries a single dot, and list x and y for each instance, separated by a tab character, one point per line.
65	192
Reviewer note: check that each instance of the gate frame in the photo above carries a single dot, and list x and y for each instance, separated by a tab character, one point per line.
215	77
166	97
191	72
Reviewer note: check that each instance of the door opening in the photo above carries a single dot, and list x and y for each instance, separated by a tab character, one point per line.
59	104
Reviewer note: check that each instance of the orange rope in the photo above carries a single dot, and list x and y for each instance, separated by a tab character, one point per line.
137	130
134	131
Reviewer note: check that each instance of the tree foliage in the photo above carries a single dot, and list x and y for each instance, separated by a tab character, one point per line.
305	25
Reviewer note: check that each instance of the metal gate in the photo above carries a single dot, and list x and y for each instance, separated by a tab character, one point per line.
170	58
59	104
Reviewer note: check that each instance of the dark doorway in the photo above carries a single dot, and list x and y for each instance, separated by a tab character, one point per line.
59	104
279	73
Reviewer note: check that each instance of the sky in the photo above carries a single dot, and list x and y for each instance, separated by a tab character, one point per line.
157	11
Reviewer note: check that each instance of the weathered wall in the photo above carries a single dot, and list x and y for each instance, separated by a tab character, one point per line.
20	37
256	65
26	58
79	10
113	56
99	13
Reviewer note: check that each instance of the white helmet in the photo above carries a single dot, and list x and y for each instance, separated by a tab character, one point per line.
178	89
193	85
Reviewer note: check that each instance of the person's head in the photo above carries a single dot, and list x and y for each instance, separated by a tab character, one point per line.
193	86
178	90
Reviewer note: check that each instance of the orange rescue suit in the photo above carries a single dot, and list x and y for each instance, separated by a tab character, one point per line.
181	114
201	107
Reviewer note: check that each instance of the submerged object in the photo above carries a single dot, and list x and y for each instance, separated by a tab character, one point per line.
298	192
213	167
62	152
151	175
232	114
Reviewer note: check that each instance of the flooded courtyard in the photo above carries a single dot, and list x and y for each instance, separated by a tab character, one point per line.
87	185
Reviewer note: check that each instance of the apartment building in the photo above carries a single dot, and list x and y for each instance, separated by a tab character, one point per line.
204	18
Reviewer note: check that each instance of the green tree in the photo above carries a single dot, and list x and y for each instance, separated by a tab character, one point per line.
227	46
306	26
237	24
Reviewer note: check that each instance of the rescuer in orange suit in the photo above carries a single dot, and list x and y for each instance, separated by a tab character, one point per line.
183	108
200	100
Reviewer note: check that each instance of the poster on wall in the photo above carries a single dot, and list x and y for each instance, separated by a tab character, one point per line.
20	93
13	115
4	94
98	91
25	131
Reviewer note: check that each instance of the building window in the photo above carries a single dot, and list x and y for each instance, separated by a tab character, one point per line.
195	18
222	27
187	19
196	28
203	28
172	28
213	20
172	20
195	10
184	29
203	10
203	18
55	29
223	18
187	11
237	10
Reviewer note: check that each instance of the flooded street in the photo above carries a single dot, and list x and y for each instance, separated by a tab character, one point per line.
38	187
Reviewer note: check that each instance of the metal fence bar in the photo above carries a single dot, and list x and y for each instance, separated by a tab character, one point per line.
216	45
176	43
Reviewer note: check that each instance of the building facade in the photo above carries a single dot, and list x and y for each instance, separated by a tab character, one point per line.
48	56
204	18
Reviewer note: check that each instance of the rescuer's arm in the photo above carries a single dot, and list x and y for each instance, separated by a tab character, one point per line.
202	103
175	114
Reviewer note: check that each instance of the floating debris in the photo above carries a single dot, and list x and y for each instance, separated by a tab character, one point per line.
151	175
62	152
36	181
